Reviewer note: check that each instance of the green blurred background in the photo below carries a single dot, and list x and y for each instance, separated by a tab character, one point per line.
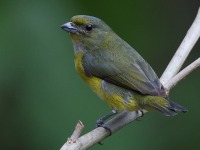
42	97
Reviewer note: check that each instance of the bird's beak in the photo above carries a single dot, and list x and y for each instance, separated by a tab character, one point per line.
69	27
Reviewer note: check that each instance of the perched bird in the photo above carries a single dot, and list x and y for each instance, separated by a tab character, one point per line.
114	70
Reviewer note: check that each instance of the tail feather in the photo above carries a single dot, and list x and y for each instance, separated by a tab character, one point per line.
166	106
176	107
165	110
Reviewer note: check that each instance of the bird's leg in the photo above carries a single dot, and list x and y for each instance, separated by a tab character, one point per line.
141	111
100	122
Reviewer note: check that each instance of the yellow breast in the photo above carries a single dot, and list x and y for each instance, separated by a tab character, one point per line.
93	82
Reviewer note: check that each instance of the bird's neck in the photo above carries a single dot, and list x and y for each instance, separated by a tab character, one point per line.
78	47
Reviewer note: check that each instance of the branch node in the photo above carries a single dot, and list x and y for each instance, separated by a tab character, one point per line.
75	135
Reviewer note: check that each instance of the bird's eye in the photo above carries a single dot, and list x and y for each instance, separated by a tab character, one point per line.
89	27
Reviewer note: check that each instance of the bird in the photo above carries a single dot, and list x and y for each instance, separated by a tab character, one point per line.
114	70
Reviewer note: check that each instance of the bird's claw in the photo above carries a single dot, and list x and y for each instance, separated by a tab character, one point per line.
140	112
100	123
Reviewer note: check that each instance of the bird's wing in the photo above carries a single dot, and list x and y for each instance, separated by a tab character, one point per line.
134	75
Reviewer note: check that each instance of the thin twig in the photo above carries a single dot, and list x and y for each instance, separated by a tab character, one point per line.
183	51
182	74
74	137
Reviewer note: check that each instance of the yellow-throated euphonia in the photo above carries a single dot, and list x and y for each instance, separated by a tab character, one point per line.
114	70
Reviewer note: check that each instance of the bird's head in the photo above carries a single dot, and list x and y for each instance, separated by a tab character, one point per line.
87	30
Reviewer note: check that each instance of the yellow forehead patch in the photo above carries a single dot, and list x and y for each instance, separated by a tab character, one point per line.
83	19
80	20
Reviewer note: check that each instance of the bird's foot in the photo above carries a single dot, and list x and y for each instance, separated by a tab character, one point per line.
100	122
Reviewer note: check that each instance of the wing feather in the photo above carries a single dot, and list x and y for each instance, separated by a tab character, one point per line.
133	74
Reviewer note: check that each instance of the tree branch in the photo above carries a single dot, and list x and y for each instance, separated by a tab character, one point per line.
169	79
182	74
75	135
183	51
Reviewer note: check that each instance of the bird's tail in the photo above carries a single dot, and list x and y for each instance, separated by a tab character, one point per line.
176	107
167	107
